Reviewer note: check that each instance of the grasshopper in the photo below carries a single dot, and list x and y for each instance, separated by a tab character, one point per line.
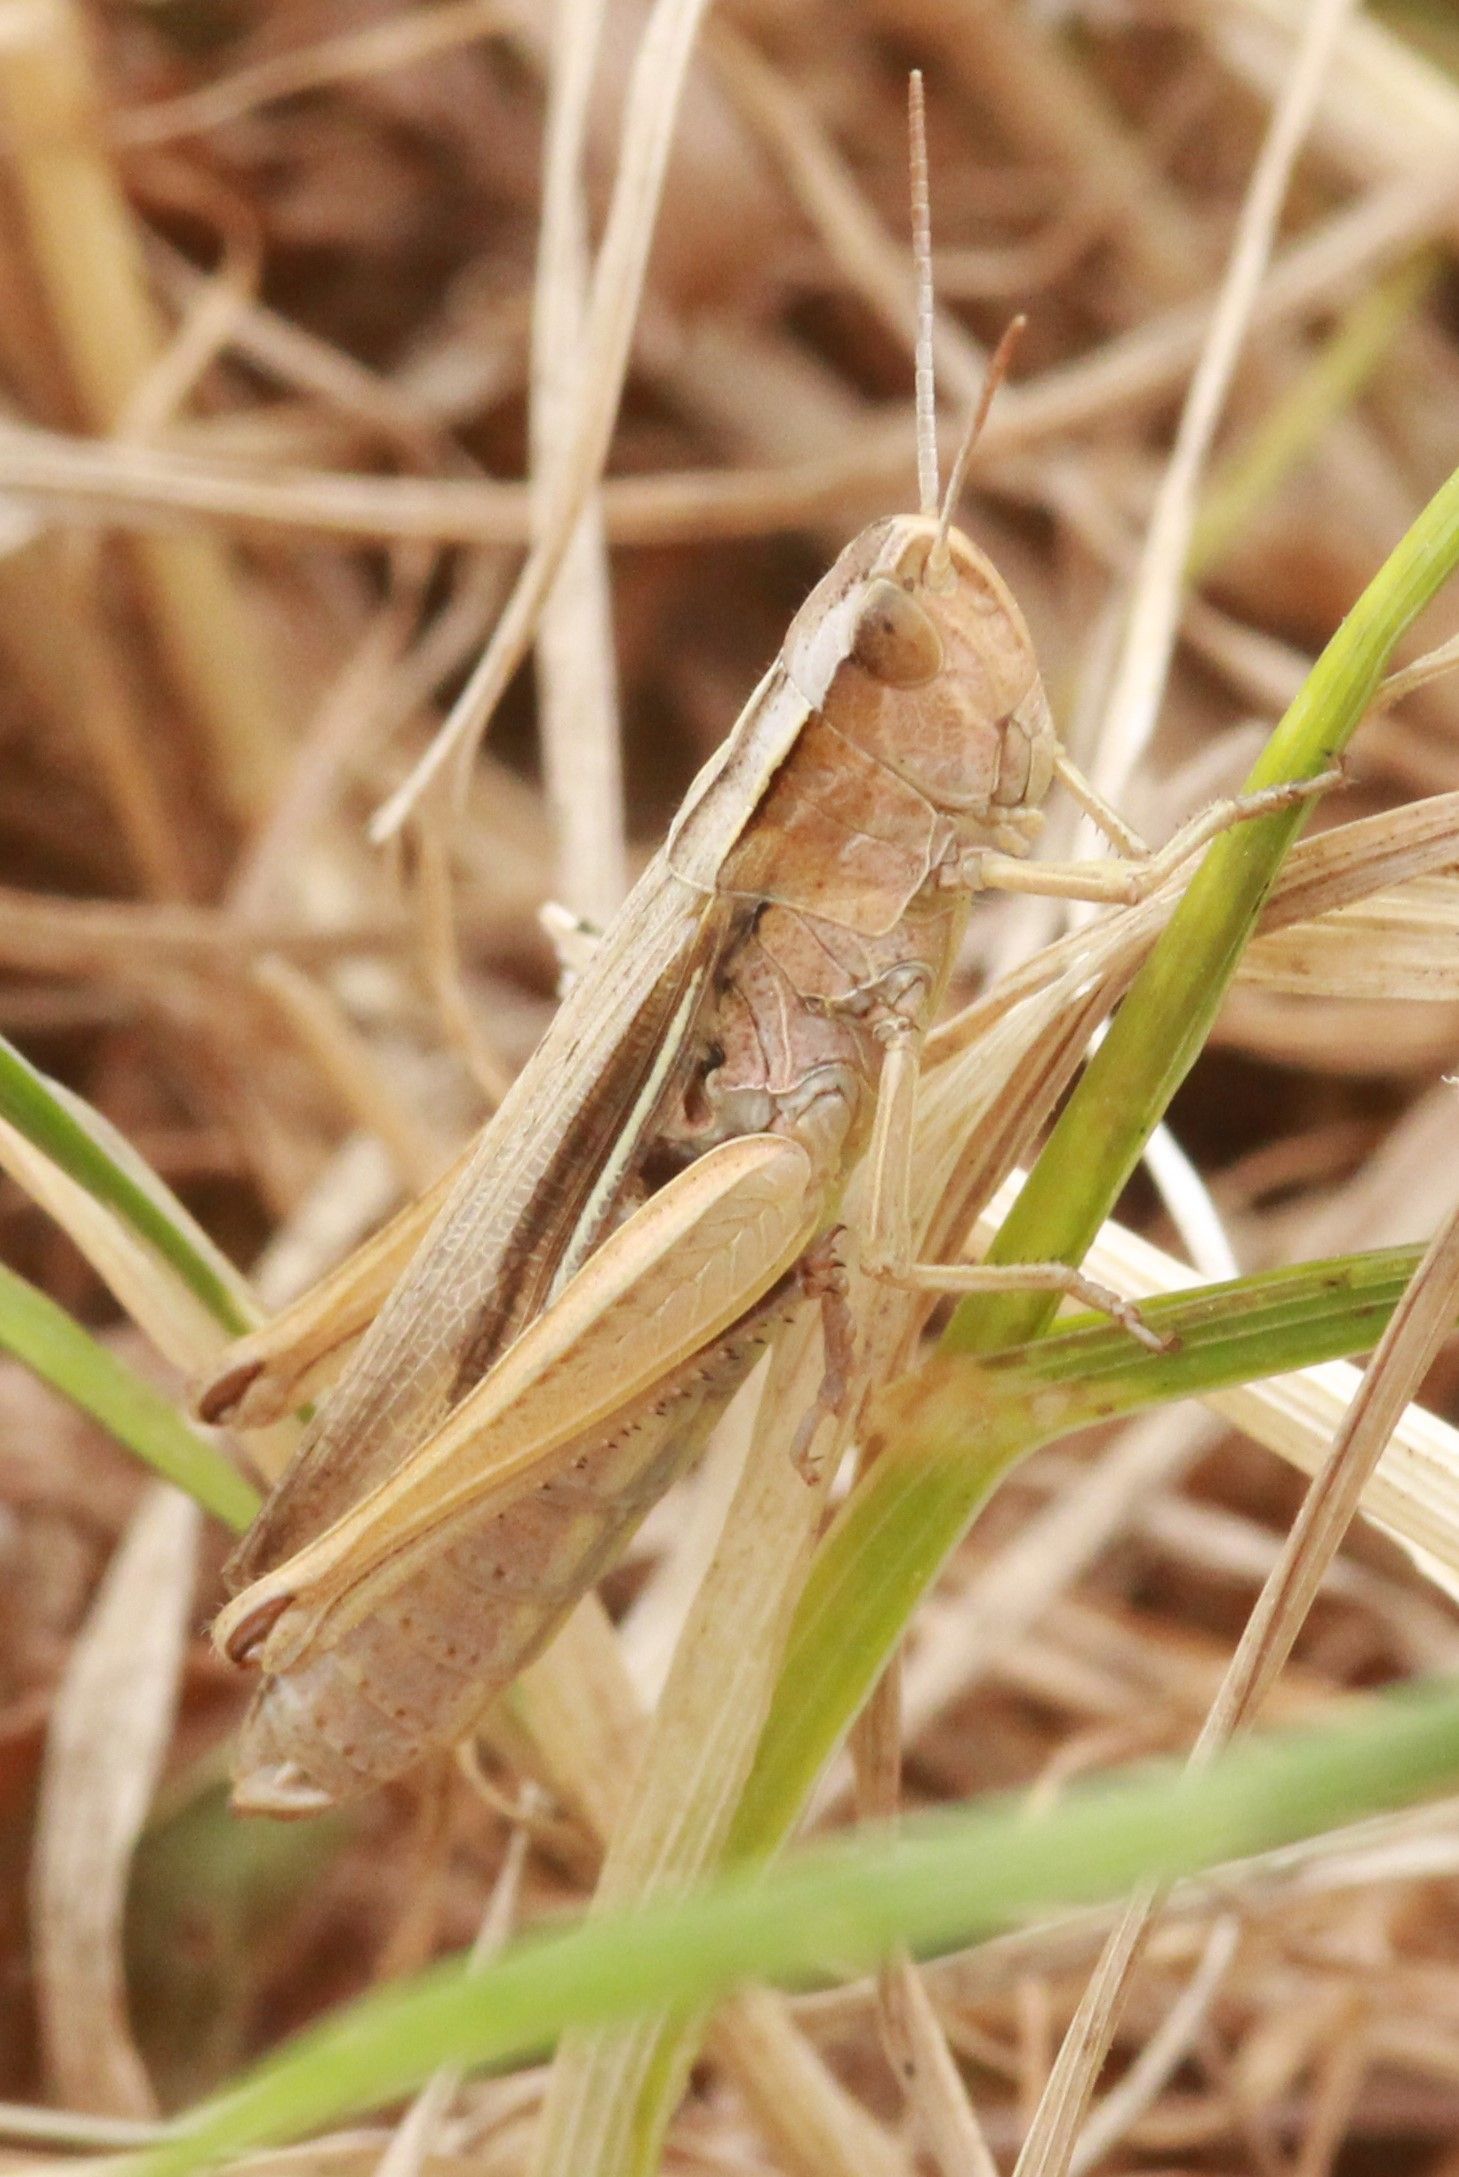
660	1189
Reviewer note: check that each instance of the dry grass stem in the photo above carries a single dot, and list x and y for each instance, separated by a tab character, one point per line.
109	1732
575	664
618	273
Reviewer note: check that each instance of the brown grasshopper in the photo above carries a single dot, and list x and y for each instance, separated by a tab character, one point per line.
661	1186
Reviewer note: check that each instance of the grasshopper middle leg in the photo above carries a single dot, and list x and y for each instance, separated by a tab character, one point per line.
888	1252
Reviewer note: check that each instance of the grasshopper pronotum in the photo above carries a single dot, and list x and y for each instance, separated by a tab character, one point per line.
662	1183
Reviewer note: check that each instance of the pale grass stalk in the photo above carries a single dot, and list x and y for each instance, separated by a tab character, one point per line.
346	720
815	2127
872	264
1385	110
202	334
376	49
109	1731
1188	1200
648	124
577	682
911	2033
1397	944
1149	645
1015	271
1164	2052
1342	2069
107	712
443	648
1377	1412
307	363
441	950
107	938
1433	665
74	2128
88	256
753	388
917	2043
463	370
589	1731
701	1744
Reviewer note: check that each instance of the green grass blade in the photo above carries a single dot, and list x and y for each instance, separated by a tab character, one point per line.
1239	1330
955	1429
52	1125
1157	1034
42	1335
941	1881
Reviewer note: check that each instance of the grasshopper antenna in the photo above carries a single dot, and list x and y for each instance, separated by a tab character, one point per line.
938	559
928	489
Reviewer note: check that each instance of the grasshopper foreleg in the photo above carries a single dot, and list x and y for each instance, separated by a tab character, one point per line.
1126	878
888	1253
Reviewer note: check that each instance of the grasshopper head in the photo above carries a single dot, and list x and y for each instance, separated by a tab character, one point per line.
941	683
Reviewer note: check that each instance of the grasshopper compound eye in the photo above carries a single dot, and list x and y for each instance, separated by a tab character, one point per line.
896	641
